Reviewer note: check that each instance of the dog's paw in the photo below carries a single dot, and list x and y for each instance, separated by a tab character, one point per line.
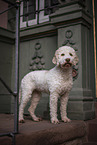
21	121
66	119
37	119
55	121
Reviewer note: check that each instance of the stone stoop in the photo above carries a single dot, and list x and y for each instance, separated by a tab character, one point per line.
43	132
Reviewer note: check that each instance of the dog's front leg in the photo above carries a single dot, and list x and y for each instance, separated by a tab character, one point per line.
53	107
63	107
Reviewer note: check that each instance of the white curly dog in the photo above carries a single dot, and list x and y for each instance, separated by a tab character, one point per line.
57	82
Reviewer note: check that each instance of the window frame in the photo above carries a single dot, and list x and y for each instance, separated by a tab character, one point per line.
42	17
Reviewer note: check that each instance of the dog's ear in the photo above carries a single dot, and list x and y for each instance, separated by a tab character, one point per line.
54	60
76	60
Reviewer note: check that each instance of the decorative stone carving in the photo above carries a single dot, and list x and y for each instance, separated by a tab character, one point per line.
68	40
37	62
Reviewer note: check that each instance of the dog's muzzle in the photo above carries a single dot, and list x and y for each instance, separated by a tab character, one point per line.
66	65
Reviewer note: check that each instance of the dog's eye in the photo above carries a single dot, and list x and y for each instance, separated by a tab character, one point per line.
70	54
62	54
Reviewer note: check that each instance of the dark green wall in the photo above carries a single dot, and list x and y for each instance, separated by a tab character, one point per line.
6	59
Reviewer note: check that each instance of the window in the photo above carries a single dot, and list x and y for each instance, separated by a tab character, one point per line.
49	3
27	12
36	11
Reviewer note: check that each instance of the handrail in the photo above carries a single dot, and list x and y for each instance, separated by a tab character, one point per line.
7	87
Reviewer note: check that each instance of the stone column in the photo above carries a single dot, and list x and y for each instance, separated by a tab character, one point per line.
73	22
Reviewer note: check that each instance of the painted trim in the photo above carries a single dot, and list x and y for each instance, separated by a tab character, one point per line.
42	18
38	35
22	24
34	21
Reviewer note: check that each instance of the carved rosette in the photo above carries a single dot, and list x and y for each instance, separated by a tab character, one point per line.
37	62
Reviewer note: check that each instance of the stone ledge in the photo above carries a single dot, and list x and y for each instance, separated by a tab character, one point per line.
43	133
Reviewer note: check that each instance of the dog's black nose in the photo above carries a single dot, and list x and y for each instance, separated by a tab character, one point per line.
67	59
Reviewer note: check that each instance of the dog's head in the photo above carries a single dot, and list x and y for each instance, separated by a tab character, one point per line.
65	57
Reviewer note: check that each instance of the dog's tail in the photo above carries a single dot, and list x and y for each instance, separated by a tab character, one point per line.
20	94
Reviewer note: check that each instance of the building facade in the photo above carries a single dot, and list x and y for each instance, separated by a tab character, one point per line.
45	26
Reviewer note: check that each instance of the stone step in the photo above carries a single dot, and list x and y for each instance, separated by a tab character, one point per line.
92	131
43	133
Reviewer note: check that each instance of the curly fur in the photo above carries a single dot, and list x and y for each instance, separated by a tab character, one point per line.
57	82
